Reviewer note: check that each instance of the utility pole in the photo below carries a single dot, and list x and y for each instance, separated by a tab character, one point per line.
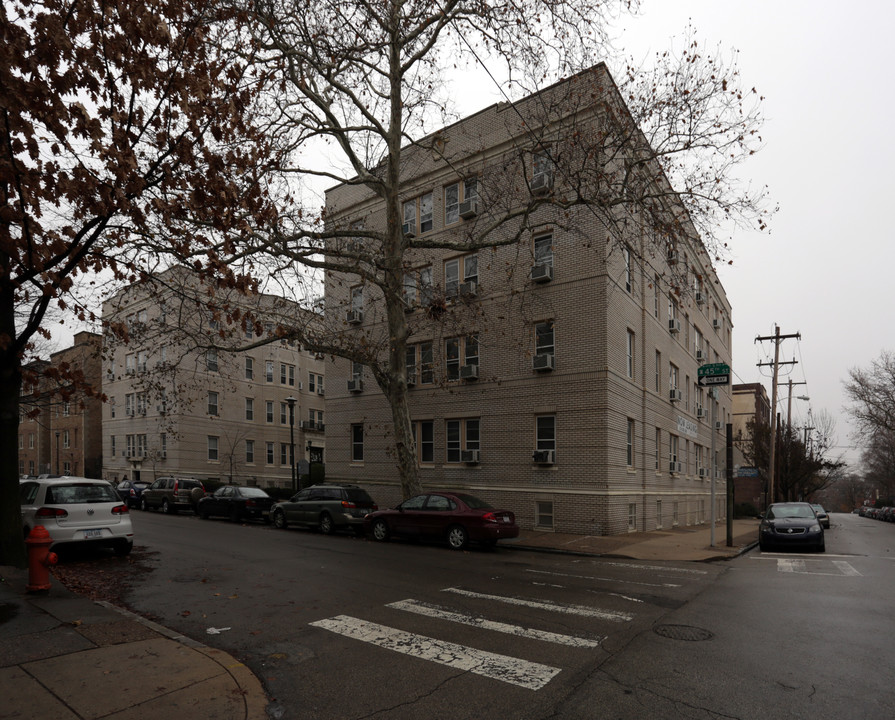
777	338
789	403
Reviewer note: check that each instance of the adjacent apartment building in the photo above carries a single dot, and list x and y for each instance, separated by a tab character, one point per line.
556	376
179	402
60	425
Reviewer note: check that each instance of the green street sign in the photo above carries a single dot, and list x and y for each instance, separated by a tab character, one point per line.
714	374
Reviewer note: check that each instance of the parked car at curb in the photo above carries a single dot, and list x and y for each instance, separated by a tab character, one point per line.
170	494
455	517
792	524
326	508
822	515
77	511
130	491
237	502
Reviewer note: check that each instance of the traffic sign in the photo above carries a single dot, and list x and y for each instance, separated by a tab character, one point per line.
714	374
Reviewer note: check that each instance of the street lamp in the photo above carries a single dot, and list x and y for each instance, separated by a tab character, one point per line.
291	401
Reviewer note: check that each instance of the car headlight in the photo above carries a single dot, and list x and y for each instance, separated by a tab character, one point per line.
814	528
767	528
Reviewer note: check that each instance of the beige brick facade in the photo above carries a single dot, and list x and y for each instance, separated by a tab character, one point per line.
610	321
173	409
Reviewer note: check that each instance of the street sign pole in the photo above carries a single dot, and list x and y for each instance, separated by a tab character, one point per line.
713	394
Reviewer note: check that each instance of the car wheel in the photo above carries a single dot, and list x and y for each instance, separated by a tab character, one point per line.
279	520
380	530
123	548
457	537
166	508
143	506
325	524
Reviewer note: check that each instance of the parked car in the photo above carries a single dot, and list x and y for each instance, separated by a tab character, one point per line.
822	515
792	524
77	510
451	516
325	507
236	502
171	494
131	490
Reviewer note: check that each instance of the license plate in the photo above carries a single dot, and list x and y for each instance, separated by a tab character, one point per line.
93	533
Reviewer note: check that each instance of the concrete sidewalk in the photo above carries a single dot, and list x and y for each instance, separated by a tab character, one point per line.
67	658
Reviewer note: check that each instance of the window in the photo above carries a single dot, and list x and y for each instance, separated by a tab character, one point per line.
632	516
213	448
543	248
544	338
284	413
656	296
357	371
211	360
629	444
629	278
658	447
466	267
268	410
250	369
163	444
141	445
129	405
269	453
112	437
544	514
212	403
250	451
421	208
130	364
658	514
311	382
454	194
287	374
250	409
66	439
130	443
460	351
141	403
630	358
268	371
542	171
545	431
672	376
357	443
420	363
418	287
424	440
142	358
673	442
461	435
284	454
658	371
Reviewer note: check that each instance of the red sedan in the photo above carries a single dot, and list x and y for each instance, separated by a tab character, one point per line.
455	517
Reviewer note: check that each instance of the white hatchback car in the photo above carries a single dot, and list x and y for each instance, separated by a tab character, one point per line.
77	510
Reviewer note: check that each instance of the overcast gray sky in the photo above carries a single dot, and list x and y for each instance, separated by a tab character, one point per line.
825	269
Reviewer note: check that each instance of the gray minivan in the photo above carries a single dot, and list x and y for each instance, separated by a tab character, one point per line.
325	507
170	494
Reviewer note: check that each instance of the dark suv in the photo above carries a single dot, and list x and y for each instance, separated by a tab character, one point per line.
172	494
325	507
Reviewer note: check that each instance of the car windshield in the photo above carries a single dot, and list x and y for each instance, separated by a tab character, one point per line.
474	502
252	492
75	494
790	511
818	508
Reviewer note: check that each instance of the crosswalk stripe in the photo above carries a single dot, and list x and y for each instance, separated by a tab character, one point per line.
610	615
515	671
791	566
440	613
603	579
846	568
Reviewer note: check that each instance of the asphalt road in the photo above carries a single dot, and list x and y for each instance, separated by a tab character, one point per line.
341	627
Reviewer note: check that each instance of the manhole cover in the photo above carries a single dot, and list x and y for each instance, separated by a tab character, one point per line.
683	632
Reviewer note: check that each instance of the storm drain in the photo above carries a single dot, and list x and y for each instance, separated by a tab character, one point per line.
683	632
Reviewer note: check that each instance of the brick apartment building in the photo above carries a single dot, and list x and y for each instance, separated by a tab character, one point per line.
750	405
555	376
178	406
61	433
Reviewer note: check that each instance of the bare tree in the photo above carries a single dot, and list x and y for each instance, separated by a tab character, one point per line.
363	85
118	122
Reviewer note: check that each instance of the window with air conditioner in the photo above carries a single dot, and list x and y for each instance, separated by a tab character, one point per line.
542	173
544	346
542	270
545	440
461	201
461	436
461	358
418	215
461	276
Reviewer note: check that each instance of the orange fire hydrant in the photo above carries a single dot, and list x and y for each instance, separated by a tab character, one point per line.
39	559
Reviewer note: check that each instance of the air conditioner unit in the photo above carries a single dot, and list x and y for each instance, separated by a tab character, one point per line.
700	355
716	323
700	411
355	386
672	257
542	273
468	289
409	229
469	209
719	426
161	408
469	456
543	362
674	395
542	184
544	457
320	390
355	317
702	472
674	325
674	467
469	372
700	297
